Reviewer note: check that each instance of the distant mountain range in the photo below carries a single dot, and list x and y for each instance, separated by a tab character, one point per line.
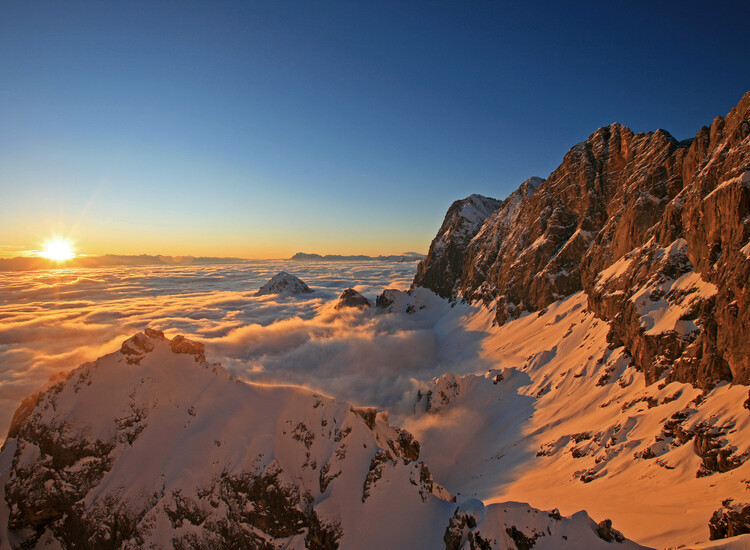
405	257
27	263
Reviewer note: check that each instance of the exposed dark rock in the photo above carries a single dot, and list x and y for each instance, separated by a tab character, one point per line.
405	446
368	414
605	531
461	529
455	531
386	298
377	465
180	344
717	454
522	541
352	298
730	520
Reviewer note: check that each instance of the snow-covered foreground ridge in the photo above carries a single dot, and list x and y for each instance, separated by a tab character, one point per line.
620	287
564	419
155	447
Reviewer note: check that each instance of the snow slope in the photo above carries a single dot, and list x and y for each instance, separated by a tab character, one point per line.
153	446
564	419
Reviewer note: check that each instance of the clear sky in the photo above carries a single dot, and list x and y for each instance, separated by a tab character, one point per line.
258	129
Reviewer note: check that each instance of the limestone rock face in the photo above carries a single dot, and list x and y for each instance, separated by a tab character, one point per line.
647	226
442	268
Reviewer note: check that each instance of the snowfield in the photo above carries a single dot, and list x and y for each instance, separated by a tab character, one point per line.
153	446
542	410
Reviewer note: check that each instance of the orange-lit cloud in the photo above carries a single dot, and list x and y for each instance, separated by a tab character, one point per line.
53	321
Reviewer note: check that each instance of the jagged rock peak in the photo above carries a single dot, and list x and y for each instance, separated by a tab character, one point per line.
442	267
352	298
445	265
623	195
528	187
285	284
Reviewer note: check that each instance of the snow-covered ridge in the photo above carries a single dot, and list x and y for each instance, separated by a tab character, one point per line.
155	446
564	418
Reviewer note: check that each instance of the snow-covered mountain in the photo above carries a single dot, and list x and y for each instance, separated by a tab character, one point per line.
605	309
284	284
153	446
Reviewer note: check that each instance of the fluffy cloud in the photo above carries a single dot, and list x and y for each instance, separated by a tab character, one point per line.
52	321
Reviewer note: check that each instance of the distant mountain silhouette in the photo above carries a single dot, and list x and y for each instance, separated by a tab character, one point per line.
27	263
405	257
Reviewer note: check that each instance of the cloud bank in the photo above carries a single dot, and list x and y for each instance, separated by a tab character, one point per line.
52	321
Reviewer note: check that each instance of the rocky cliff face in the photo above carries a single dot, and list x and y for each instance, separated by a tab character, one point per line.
442	269
647	226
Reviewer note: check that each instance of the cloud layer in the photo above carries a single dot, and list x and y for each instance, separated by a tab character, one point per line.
52	321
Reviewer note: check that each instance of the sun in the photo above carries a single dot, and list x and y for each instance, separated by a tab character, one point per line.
58	249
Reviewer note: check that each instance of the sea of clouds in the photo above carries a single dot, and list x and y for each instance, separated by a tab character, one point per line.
54	320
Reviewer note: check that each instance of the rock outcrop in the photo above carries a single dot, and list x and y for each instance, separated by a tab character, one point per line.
730	520
655	231
284	284
352	298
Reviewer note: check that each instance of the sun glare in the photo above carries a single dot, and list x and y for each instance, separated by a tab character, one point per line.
58	249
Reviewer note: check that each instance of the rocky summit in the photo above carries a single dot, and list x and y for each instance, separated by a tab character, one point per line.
352	298
284	284
655	231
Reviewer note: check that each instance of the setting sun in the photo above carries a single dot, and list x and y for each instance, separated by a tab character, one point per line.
58	249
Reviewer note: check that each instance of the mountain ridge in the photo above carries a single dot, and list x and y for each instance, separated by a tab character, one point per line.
154	446
619	193
311	257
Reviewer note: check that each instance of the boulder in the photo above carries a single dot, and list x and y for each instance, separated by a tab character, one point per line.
351	298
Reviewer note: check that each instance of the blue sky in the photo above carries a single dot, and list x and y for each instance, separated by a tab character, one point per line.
258	129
